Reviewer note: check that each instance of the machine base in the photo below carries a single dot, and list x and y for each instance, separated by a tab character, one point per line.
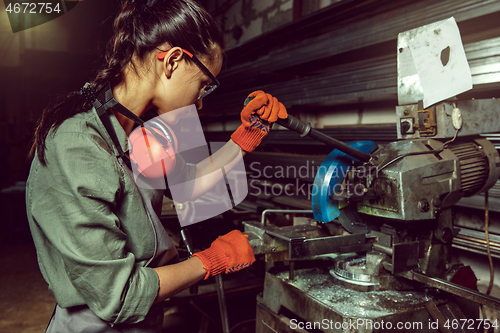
315	301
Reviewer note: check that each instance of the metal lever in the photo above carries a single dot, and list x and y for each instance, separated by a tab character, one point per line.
304	129
454	288
186	238
222	303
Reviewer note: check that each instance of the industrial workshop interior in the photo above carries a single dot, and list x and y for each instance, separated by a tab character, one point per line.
373	206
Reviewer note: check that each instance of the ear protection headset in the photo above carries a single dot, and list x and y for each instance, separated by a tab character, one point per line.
153	143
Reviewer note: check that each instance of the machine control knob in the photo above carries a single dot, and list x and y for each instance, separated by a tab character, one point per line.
436	202
423	205
446	235
405	127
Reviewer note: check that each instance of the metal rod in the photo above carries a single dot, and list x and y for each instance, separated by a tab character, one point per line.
437	316
186	238
455	289
291	211
222	303
304	129
291	272
383	249
476	240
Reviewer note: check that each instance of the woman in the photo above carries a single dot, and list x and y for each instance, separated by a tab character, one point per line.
100	244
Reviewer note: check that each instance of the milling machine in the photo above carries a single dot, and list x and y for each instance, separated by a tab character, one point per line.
377	255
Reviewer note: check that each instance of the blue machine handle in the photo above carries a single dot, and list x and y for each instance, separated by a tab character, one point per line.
329	178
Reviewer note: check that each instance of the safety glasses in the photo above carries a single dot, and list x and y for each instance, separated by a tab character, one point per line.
211	86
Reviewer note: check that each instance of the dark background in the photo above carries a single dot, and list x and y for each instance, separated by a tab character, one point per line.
40	75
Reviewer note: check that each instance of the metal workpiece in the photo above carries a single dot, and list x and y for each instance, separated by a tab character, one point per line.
352	269
454	288
300	242
263	244
383	249
316	296
274	242
477	117
284	211
366	273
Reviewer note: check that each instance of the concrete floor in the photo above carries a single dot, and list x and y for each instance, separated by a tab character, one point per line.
26	304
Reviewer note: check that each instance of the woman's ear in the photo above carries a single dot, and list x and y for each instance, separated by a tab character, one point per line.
172	60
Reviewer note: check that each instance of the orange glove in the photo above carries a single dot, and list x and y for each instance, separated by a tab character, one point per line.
256	118
227	254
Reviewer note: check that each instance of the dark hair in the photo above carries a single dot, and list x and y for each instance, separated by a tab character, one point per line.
141	27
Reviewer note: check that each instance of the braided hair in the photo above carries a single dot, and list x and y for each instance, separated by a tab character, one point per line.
140	27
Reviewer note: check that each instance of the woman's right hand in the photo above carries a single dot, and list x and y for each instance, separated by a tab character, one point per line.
257	115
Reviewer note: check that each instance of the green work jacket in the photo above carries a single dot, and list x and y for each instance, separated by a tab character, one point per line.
91	231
